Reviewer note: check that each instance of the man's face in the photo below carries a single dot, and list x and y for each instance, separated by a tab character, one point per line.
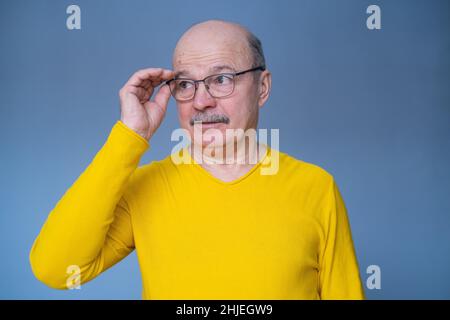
202	55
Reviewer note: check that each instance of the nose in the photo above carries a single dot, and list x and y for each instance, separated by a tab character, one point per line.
202	98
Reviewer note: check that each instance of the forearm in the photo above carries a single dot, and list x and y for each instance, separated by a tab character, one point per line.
75	230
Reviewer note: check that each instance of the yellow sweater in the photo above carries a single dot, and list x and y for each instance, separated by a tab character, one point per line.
282	236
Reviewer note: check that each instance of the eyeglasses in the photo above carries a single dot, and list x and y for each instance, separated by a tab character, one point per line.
218	85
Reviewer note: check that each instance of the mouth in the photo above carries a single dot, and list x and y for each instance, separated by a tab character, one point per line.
208	123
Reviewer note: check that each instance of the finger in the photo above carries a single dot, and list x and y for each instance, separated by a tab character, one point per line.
145	74
166	75
162	96
148	93
147	84
156	83
137	91
155	75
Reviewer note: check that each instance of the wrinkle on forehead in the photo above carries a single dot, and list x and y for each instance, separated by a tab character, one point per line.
201	65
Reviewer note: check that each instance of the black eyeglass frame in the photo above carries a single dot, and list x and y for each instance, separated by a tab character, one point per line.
234	74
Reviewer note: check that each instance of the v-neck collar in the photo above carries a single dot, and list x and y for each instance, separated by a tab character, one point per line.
227	183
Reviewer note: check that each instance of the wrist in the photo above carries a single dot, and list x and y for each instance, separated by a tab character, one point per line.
143	133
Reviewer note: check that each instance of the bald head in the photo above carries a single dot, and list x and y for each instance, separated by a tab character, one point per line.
219	37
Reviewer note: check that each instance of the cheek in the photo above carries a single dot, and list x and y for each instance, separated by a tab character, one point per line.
240	110
184	114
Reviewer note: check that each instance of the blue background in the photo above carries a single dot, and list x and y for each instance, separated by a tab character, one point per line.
370	107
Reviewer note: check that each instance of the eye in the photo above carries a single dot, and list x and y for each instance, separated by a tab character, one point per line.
222	79
183	84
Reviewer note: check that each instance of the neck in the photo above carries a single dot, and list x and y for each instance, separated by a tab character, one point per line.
226	165
243	152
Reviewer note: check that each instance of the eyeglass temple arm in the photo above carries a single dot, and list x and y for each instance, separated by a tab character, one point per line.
262	68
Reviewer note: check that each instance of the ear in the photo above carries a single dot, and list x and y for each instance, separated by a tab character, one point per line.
265	83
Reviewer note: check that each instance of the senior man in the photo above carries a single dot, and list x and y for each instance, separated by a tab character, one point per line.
203	229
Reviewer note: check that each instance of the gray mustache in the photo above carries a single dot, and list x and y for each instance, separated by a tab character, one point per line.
201	117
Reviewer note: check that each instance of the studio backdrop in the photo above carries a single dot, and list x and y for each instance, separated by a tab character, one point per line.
360	88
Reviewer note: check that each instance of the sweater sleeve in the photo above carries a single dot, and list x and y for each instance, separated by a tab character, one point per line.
90	226
339	273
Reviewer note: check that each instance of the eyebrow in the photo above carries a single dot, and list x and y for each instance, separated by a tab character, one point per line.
213	69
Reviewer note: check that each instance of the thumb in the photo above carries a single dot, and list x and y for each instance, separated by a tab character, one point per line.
162	97
156	109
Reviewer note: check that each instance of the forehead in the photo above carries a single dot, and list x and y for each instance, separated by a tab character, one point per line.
191	72
202	57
